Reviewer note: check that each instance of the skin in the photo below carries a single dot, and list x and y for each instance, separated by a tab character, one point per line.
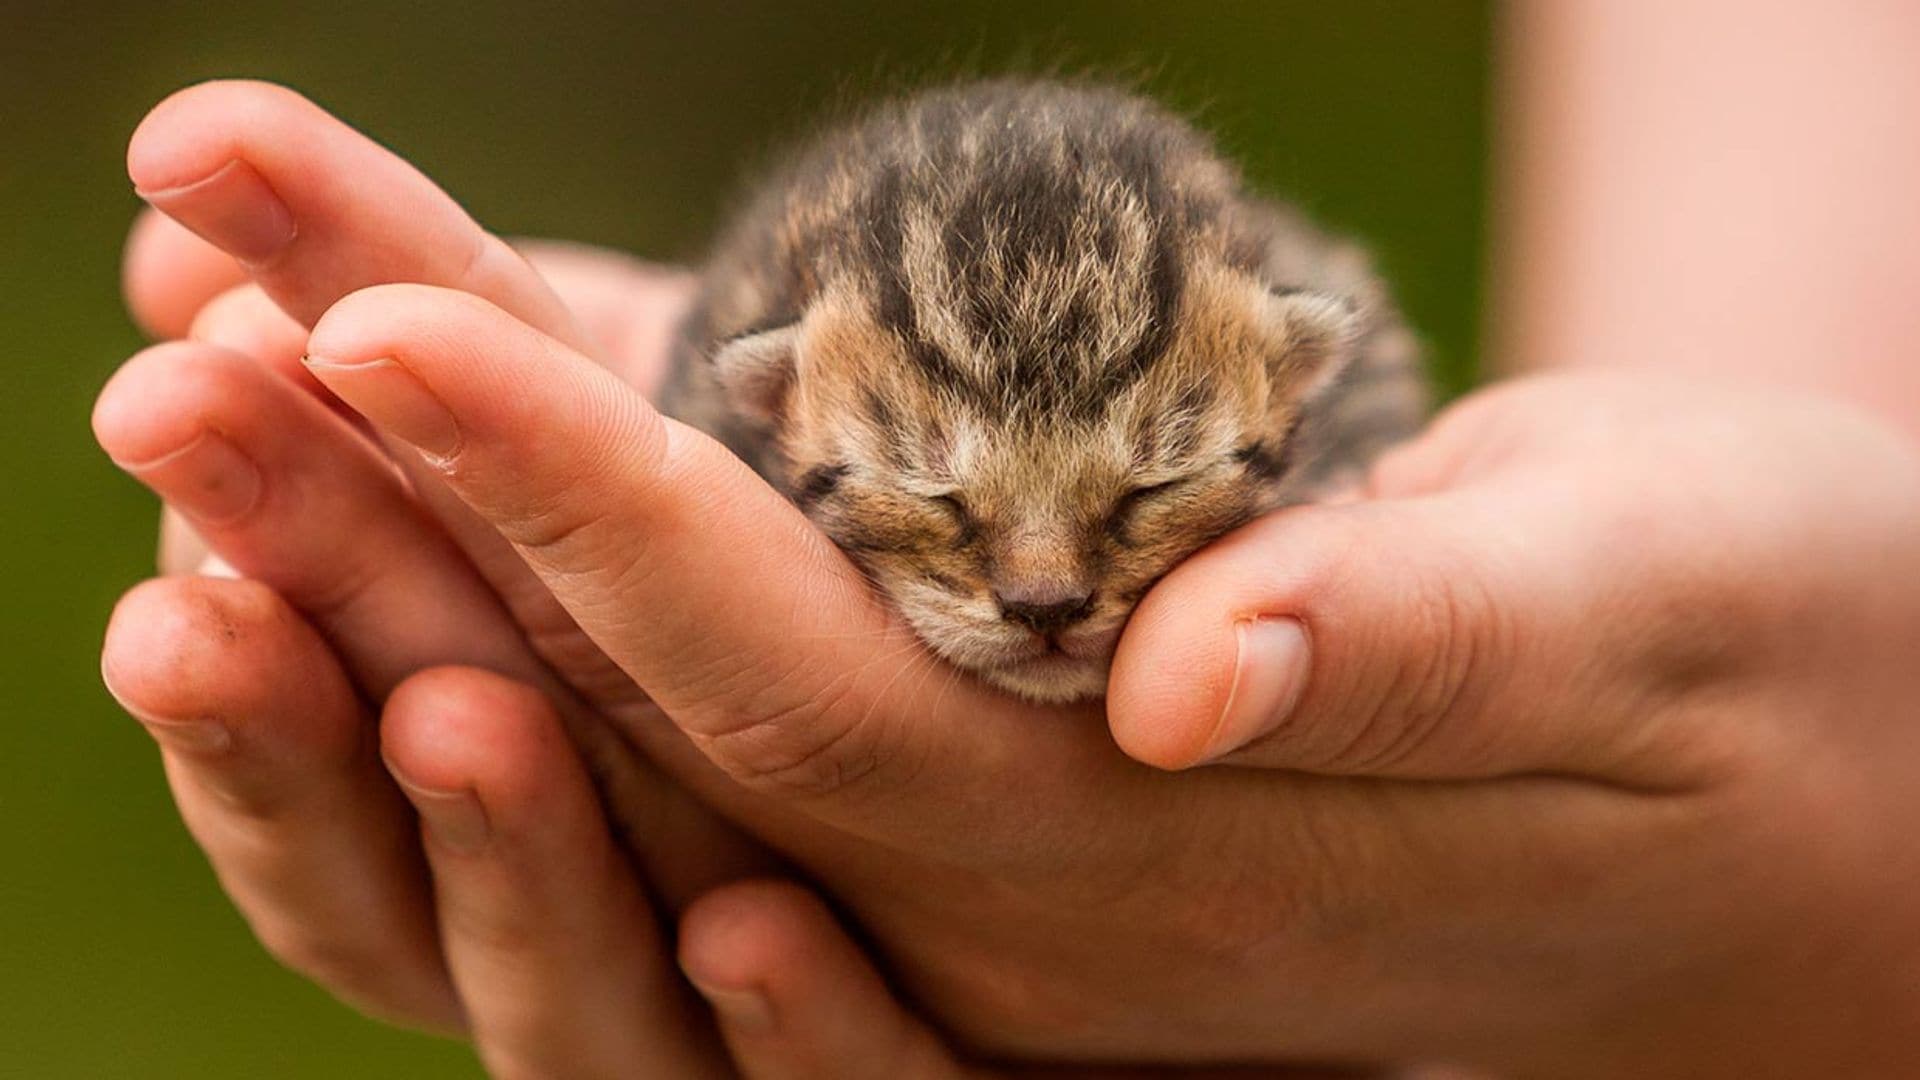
315	487
1744	723
1737	209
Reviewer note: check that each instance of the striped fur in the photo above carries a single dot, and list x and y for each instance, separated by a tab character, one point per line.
1035	339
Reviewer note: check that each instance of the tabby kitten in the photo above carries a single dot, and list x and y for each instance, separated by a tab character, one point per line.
1019	347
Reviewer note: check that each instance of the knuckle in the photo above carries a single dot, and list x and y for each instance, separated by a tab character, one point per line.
346	966
485	926
564	534
553	523
583	512
1693	622
481	252
1459	632
489	260
254	806
1692	633
343	589
807	746
556	638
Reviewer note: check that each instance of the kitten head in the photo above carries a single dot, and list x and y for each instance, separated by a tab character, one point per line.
1014	516
1018	348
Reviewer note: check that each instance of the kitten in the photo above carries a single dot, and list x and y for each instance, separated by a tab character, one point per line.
1019	347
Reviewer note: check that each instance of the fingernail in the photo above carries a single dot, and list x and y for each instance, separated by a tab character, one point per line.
394	399
202	735
235	209
1268	678
208	479
454	819
744	1010
192	736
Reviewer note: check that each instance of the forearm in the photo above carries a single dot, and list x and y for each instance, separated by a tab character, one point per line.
1713	185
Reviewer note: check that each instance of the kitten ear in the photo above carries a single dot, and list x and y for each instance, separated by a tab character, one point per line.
1314	335
755	370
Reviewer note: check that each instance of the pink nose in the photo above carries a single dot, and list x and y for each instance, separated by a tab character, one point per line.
1044	608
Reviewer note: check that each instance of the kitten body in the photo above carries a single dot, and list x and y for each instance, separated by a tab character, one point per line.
1019	347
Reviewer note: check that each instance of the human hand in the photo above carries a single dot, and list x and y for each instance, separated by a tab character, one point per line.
179	287
272	758
490	900
535	944
1591	709
318	535
1401	919
362	588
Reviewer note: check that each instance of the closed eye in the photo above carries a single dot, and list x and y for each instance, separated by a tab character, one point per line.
963	518
1263	462
1123	510
818	483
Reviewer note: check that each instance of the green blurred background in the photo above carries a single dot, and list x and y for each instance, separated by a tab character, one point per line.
621	125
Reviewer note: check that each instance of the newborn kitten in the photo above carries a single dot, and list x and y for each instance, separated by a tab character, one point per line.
1019	347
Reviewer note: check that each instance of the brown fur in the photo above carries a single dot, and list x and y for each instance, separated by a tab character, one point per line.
1022	340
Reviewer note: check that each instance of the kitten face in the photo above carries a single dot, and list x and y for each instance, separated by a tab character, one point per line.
1016	531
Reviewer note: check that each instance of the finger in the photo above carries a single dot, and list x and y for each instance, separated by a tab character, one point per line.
273	764
628	307
795	998
311	210
179	285
747	626
290	496
314	209
553	947
1476	634
168	274
287	494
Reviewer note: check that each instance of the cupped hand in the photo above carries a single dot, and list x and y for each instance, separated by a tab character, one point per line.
532	938
1589	723
452	871
489	899
1601	662
255	687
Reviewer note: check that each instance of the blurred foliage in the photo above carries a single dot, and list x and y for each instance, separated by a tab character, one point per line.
619	124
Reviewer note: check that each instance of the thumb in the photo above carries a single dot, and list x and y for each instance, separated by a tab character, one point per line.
1476	633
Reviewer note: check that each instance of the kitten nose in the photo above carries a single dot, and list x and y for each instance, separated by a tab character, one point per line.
1044	608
